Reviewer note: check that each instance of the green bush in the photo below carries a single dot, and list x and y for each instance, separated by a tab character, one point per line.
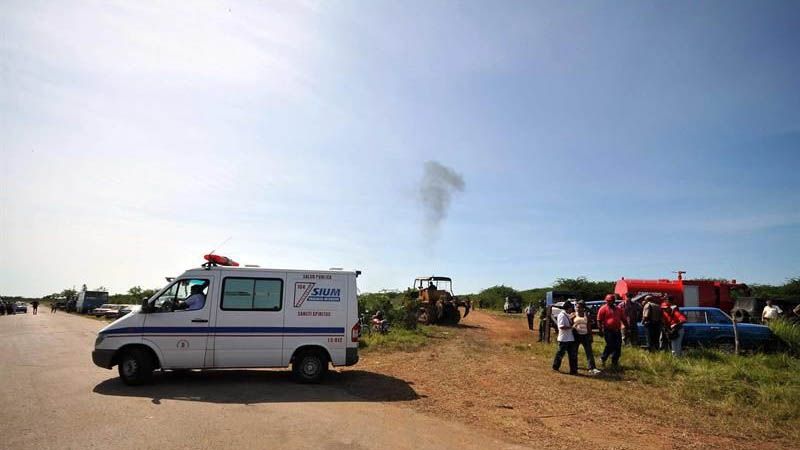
493	297
788	333
398	308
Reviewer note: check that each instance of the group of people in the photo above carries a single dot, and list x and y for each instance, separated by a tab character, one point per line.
617	323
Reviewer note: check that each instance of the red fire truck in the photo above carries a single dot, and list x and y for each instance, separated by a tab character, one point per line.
711	293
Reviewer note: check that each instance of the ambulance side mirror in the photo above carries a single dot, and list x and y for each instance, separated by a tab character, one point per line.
145	307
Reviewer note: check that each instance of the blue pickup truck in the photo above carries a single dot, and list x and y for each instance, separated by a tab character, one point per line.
710	327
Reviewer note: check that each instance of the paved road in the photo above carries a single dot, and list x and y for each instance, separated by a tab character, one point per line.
54	397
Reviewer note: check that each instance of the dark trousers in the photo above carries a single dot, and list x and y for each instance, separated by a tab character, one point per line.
653	336
613	346
571	349
586	341
541	329
530	322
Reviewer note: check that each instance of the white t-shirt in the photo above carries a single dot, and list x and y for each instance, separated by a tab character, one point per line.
563	321
771	312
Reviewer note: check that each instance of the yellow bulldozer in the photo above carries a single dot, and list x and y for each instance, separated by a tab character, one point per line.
437	304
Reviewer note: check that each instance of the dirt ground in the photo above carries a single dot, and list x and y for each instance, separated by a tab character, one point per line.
477	375
475	386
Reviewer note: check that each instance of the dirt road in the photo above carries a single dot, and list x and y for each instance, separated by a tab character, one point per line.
52	396
490	373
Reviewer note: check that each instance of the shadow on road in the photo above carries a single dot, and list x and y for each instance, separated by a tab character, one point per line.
262	386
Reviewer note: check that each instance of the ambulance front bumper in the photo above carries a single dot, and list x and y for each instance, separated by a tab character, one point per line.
103	358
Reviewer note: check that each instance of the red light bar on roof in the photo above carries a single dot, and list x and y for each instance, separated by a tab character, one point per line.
220	260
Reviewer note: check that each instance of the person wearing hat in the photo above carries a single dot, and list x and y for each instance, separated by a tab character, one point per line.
651	318
610	320
583	334
566	340
673	325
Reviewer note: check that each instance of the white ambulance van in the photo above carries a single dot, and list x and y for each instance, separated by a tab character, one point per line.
230	317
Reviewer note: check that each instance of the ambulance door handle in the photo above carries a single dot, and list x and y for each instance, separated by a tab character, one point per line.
200	320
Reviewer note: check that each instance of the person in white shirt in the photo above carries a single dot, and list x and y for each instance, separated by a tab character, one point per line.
197	299
770	313
530	311
566	340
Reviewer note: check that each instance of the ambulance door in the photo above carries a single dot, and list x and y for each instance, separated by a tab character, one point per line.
316	313
248	328
177	322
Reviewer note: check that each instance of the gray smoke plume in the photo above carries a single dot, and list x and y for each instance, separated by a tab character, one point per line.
439	182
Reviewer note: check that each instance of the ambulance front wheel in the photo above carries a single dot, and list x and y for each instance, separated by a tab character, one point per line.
310	367
136	367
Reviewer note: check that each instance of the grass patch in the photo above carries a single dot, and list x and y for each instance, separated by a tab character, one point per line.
759	391
788	333
398	339
763	389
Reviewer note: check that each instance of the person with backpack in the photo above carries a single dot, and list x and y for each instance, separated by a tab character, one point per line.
651	318
673	320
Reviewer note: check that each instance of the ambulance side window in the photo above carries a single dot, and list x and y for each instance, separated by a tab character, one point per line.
252	294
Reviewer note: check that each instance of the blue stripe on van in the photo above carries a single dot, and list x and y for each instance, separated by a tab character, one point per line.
224	330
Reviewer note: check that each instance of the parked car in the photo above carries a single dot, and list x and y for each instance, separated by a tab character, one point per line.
127	309
711	327
21	307
513	304
121	311
105	308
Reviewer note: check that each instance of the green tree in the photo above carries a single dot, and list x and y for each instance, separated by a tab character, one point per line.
135	292
494	297
584	288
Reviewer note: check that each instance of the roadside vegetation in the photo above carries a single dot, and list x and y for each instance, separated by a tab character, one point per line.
761	390
133	296
788	334
400	339
494	297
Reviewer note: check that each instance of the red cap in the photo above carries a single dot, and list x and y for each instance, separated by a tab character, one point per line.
610	298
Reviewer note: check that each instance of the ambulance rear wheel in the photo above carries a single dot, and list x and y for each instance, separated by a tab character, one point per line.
310	367
136	367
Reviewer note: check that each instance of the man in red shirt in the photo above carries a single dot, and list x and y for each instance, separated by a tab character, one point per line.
673	326
610	319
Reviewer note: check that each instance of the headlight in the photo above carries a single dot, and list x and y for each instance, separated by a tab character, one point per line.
99	340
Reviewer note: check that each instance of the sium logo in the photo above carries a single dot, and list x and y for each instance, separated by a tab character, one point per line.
304	291
325	295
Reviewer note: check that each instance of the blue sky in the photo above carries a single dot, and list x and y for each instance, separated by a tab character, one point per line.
598	139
